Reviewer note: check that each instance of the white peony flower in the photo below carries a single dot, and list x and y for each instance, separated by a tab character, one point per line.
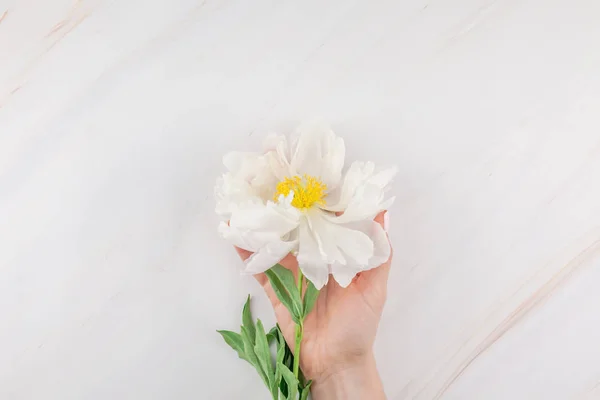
293	198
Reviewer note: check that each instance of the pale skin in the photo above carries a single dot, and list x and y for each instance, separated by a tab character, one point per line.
337	346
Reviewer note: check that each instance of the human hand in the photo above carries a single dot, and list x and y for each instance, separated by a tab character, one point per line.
338	335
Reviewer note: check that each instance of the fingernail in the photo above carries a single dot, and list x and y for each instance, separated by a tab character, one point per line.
386	221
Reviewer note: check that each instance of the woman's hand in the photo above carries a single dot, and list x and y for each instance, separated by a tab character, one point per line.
337	346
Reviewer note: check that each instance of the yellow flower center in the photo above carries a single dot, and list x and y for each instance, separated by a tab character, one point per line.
308	190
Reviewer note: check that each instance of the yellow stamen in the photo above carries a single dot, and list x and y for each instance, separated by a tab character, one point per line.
308	190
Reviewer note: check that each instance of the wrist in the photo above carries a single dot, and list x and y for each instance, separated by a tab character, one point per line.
355	381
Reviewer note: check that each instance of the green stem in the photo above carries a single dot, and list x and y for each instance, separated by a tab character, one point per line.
299	331
300	279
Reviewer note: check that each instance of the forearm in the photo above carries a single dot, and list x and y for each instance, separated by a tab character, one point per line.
356	382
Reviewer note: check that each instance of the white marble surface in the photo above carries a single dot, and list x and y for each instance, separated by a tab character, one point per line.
114	115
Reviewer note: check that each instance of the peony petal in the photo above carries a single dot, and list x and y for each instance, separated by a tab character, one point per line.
269	255
367	203
363	193
334	239
236	160
318	274
348	248
381	243
382	249
343	274
279	145
383	177
309	257
278	218
357	245
324	233
277	156
229	192
250	178
254	225
318	152
356	175
244	239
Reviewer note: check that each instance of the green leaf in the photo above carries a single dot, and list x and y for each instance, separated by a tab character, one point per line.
274	330
261	349
281	351
301	377
272	335
305	391
248	321
234	340
292	382
282	282
249	350
278	383
287	277
281	347
310	298
288	359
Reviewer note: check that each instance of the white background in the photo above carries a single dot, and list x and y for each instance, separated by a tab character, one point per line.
114	116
